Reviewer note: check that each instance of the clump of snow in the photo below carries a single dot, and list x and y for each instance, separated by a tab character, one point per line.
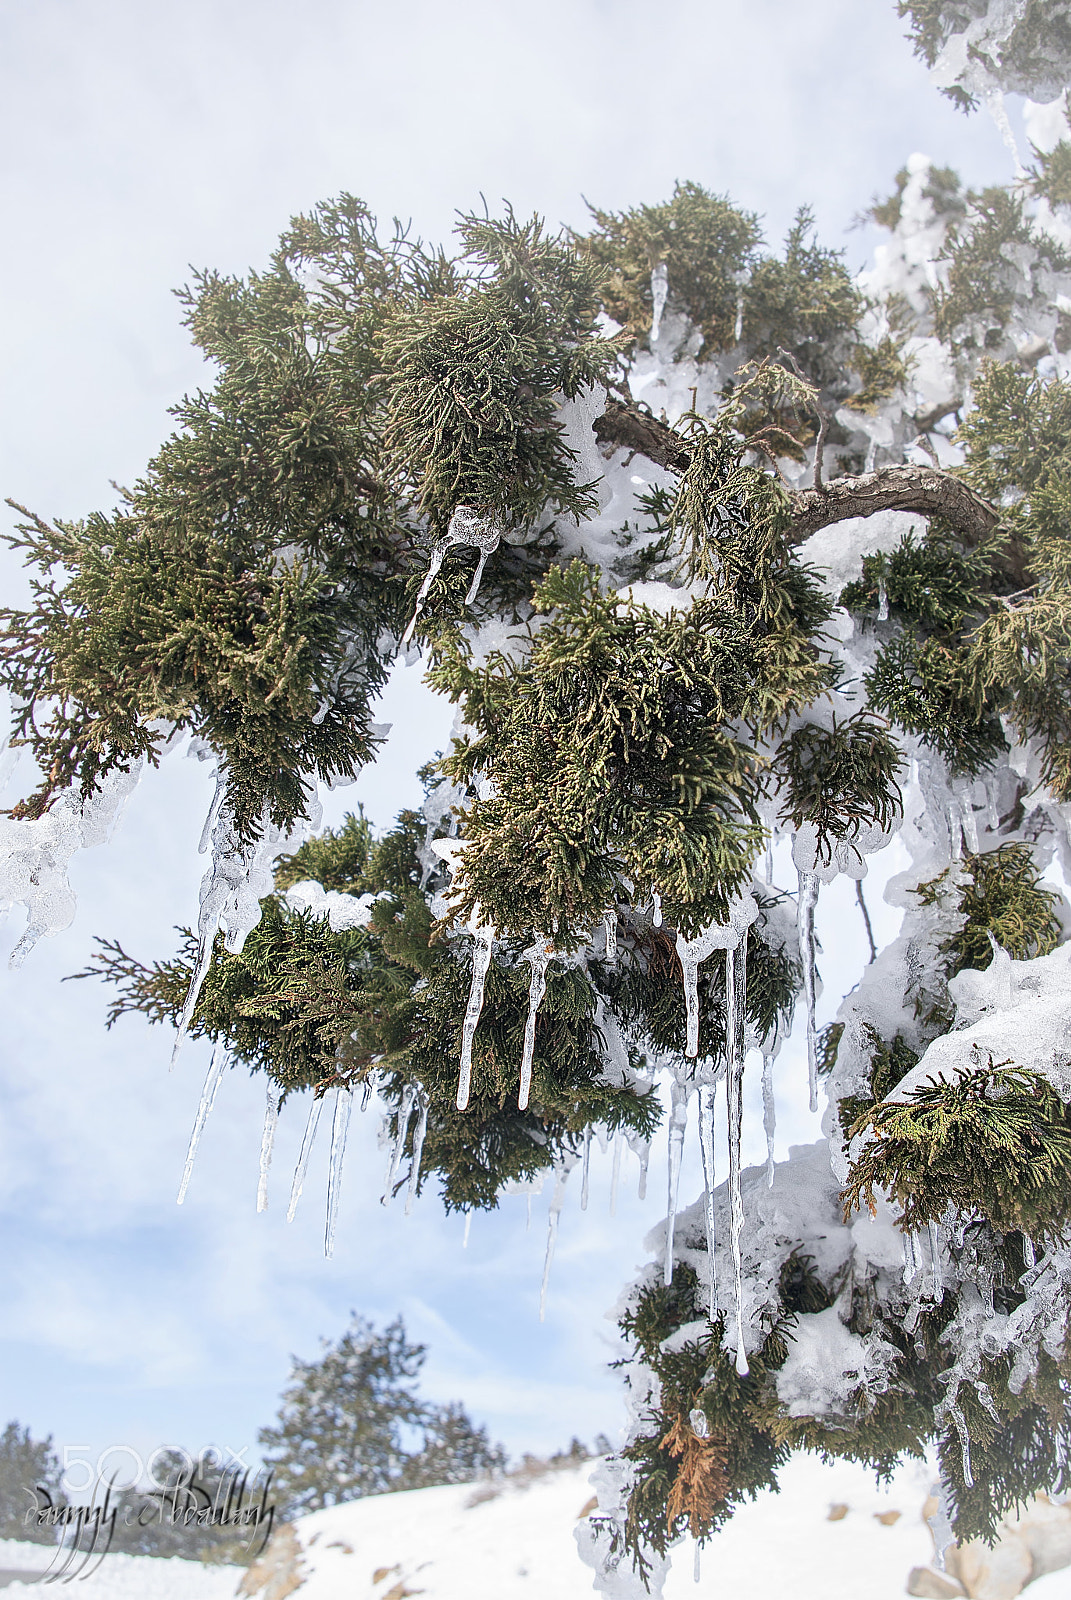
343	911
35	855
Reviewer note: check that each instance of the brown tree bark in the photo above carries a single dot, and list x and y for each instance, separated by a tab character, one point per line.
925	490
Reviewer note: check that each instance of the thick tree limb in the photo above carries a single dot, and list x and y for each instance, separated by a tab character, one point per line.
925	490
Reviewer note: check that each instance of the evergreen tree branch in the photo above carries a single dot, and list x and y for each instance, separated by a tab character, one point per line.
925	490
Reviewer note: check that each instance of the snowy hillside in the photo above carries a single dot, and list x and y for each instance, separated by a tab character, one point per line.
514	1541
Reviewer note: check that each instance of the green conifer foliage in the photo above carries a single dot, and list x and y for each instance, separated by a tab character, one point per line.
707	245
993	1143
1000	899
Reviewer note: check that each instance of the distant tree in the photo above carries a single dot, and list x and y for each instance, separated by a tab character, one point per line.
25	1463
348	1422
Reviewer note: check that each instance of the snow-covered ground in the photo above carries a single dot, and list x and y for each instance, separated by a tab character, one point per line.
515	1539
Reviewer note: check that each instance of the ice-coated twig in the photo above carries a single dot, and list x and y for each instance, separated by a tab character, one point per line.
883	600
805	904
735	995
615	1174
418	1151
659	292
340	1123
609	924
481	960
656	910
466	527
678	1121
302	1168
585	1173
208	1097
232	889
405	1108
539	955
707	1095
267	1144
1029	1253
563	1167
769	1116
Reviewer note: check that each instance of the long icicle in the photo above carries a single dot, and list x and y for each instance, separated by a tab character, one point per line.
615	1173
267	1144
805	904
735	994
481	960
405	1110
302	1168
586	1170
339	1128
557	1200
208	1096
769	1116
707	1096
539	955
418	1151
678	1120
643	1156
936	1273
437	556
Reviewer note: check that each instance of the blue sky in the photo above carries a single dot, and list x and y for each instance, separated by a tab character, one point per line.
138	138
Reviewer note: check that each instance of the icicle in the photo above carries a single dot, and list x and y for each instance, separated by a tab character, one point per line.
659	291
954	818
994	104
992	816
405	1109
769	862
208	1096
466	527
609	923
615	1174
935	1263
539	955
769	1116
738	326
557	1200
586	1169
912	1258
871	455
267	1144
678	1119
695	1564
707	1094
883	600
735	994
528	1214
437	556
970	827
805	904
1030	1259
468	1230
481	960
418	1151
643	1155
940	1524
301	1170
213	811
960	1422
339	1128
656	910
